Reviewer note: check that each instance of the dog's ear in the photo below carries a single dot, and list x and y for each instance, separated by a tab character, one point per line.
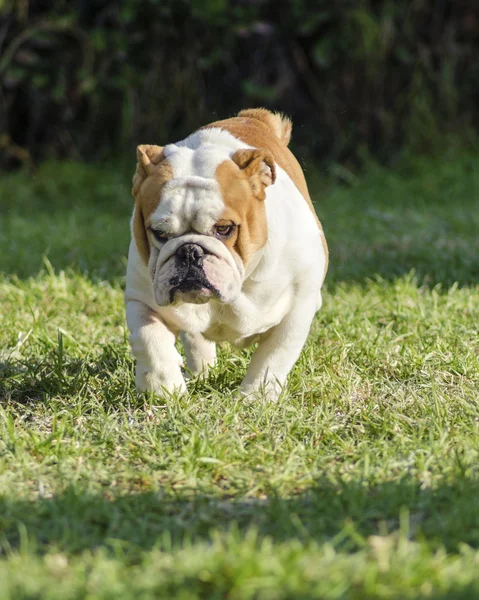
140	235
259	167
148	157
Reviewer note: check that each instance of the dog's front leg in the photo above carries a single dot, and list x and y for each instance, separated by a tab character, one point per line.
200	352
158	363
278	350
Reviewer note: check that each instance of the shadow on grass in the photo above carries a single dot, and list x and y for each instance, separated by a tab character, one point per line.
368	238
360	263
75	214
420	216
58	374
346	514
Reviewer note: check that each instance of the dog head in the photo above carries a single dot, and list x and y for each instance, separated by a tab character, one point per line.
200	219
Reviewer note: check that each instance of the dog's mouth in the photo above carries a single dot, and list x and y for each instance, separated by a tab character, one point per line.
193	286
190	282
195	272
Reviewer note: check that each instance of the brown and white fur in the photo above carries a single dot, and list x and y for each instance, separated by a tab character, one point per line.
225	247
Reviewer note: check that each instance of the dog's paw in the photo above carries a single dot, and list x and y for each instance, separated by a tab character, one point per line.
169	380
269	390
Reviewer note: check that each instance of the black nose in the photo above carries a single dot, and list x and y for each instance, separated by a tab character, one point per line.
191	254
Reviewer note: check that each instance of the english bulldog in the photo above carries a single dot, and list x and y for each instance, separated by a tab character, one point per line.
225	246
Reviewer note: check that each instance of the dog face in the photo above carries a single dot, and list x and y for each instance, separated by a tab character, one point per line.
200	219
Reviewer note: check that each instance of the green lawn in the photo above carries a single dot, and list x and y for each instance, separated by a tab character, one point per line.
362	482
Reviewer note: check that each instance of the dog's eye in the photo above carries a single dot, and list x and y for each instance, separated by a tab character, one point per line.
159	236
224	231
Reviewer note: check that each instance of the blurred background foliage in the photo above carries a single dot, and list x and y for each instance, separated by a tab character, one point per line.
89	79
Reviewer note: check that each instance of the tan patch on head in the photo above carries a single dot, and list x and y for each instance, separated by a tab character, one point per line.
152	172
260	128
242	181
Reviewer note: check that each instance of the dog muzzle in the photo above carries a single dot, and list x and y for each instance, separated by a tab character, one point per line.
189	282
195	270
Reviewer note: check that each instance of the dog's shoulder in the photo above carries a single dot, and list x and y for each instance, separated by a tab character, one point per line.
261	128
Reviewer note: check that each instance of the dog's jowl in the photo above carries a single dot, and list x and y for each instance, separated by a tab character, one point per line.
225	247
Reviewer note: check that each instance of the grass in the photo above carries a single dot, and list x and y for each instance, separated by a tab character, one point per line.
362	482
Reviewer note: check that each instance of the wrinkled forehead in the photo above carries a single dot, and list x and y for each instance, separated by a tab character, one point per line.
188	203
191	198
201	161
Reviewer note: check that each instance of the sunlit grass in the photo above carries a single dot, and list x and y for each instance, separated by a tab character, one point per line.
361	482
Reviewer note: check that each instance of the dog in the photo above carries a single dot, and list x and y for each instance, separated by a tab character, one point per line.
226	246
